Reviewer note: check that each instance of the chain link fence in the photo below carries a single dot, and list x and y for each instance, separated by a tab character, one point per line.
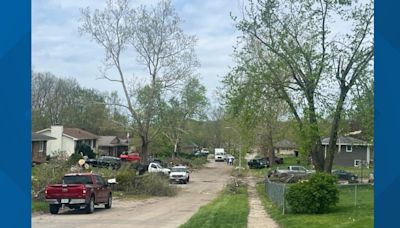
276	192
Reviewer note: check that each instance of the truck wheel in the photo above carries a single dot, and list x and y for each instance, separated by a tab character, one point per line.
90	206
188	179
54	209
109	202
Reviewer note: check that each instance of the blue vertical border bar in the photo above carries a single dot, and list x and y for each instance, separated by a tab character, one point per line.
15	119
387	113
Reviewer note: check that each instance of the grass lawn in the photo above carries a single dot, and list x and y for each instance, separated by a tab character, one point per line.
227	210
344	215
39	206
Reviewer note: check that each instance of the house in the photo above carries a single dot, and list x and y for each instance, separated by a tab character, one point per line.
350	151
285	147
39	148
190	148
66	139
111	145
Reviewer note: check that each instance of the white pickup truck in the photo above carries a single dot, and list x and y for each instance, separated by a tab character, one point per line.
157	168
179	174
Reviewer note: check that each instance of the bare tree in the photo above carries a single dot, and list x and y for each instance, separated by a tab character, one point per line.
160	45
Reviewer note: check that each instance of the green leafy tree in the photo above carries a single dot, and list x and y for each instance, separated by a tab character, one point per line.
309	65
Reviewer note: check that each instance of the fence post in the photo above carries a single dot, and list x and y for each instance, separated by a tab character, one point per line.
283	210
355	195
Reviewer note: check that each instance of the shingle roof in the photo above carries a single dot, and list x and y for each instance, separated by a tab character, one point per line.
345	140
285	144
40	137
111	141
79	133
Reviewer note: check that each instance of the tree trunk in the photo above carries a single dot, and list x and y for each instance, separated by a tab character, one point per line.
333	136
317	156
144	149
271	152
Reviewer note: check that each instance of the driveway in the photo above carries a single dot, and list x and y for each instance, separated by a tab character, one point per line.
204	186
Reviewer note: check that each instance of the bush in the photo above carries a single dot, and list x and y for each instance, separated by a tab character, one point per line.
85	150
125	177
316	196
47	173
74	158
154	184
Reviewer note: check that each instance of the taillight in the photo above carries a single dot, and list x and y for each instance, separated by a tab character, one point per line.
45	192
84	191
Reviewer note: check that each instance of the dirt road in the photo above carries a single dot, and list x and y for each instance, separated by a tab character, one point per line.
154	212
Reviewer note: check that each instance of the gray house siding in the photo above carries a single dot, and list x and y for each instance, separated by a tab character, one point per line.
344	158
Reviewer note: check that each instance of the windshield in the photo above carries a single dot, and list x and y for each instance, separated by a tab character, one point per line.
77	180
178	170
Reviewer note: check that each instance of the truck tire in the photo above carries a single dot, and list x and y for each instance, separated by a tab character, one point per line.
188	180
109	202
90	206
54	208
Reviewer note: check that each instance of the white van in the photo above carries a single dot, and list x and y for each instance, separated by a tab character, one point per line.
219	154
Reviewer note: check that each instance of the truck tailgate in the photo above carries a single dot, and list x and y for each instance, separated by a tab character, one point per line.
59	191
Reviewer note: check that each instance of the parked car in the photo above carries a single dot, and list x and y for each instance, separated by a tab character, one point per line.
105	162
157	168
256	163
293	169
179	174
130	157
343	175
204	151
278	160
79	190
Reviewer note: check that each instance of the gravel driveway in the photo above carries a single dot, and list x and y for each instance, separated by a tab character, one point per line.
153	212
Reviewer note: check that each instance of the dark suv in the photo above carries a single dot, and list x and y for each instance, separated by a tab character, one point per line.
105	162
343	175
257	163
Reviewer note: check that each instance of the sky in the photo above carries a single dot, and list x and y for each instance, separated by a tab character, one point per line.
57	46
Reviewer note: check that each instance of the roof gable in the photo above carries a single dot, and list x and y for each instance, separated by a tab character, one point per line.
345	140
285	144
78	133
110	141
40	137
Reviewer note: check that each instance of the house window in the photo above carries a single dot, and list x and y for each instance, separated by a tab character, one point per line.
349	148
357	163
41	146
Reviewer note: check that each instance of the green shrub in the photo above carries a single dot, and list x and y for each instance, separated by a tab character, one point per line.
74	158
154	184
125	177
47	173
317	195
85	150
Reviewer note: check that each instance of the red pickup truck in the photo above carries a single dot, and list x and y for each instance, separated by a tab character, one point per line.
79	190
130	157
